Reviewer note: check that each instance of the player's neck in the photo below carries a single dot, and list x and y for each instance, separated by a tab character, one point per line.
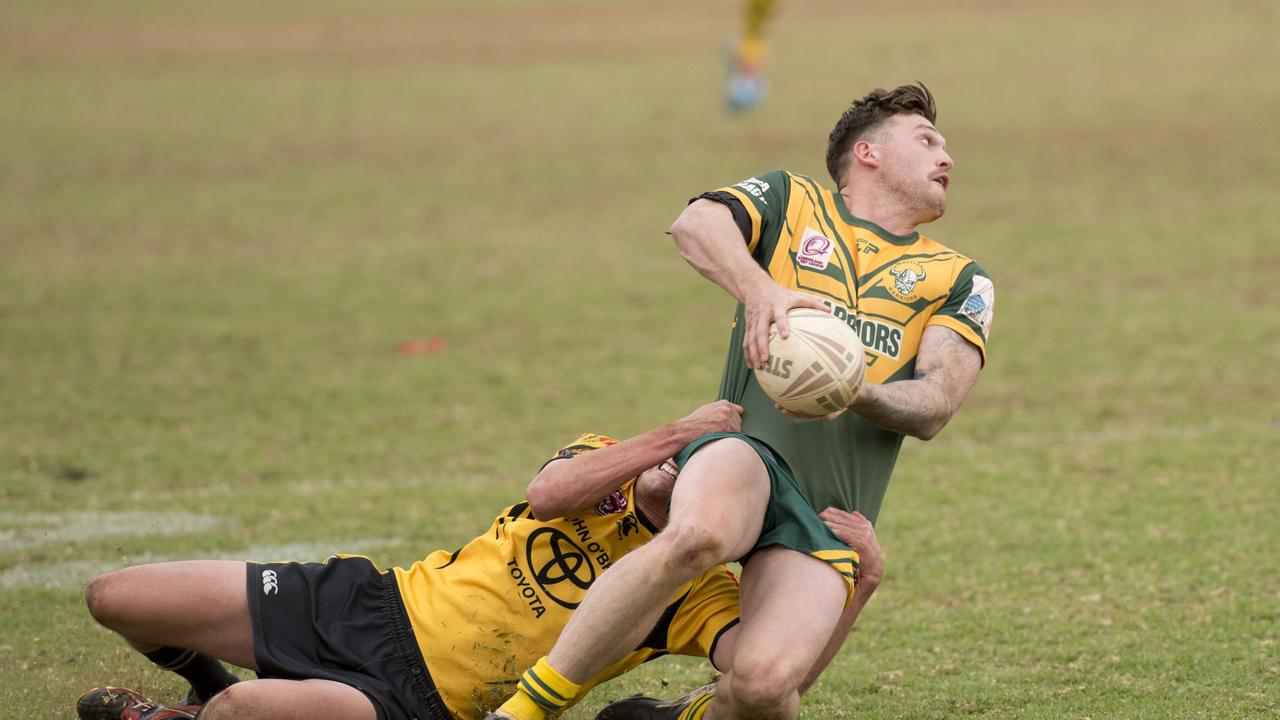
652	507
880	209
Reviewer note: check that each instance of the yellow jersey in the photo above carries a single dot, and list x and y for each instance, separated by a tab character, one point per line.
485	612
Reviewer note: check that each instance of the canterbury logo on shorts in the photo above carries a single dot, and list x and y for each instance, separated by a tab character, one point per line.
269	584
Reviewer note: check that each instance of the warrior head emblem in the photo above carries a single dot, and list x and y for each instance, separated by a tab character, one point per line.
905	280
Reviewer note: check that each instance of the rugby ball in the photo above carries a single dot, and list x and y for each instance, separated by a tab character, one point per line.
817	370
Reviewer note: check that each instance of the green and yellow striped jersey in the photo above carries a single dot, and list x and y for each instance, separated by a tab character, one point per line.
485	613
887	287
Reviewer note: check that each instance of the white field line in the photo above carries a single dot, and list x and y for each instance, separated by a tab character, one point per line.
20	531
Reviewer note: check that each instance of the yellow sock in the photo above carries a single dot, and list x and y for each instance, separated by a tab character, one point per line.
541	691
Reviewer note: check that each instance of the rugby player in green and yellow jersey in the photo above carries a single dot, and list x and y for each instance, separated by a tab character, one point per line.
776	242
444	638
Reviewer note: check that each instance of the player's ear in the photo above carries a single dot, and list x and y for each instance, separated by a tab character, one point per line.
866	153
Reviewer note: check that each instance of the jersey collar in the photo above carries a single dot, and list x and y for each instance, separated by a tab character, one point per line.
885	235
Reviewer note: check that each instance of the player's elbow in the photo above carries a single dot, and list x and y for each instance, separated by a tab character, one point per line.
929	427
929	430
693	222
544	501
682	231
546	494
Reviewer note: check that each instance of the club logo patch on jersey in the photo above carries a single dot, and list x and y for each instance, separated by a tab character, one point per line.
755	187
615	503
980	306
815	250
906	275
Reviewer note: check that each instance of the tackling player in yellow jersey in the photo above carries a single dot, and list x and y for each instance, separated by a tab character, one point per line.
446	637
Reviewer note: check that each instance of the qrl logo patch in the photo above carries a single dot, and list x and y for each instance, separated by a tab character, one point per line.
815	250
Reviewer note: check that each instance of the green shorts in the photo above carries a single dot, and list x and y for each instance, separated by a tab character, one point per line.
789	521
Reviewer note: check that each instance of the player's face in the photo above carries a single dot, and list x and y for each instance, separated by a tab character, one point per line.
915	164
657	482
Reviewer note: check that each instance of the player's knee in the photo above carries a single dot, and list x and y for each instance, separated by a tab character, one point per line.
105	597
692	548
762	689
241	701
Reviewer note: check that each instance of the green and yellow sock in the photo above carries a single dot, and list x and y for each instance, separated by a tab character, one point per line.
698	707
540	692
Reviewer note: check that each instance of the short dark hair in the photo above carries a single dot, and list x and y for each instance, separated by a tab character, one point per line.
866	114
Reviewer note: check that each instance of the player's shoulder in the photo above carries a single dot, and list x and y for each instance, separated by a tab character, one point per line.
960	264
798	180
774	182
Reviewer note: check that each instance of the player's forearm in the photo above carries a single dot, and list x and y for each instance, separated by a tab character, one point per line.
919	408
565	486
711	243
946	369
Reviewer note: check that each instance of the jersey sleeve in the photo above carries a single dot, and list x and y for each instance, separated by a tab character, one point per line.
757	203
969	307
707	612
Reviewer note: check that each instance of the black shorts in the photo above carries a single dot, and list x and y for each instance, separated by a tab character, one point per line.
341	620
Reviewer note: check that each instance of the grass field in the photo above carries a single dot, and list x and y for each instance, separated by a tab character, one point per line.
218	223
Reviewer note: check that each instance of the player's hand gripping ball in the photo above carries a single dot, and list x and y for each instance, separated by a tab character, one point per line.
817	370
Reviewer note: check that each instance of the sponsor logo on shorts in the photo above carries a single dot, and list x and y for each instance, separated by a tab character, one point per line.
270	586
815	250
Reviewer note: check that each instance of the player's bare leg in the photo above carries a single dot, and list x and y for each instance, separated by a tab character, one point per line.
200	604
767	673
746	85
183	616
717	509
289	700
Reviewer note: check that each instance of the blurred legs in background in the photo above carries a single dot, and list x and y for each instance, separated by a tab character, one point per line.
746	85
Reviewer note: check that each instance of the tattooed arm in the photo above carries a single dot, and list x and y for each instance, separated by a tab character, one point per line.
946	368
